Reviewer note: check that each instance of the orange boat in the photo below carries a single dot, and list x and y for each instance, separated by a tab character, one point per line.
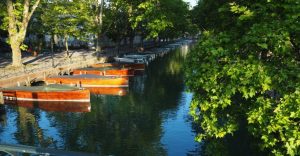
46	93
138	67
108	91
54	106
105	71
89	81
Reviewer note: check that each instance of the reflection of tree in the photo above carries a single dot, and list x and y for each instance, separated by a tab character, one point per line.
3	121
111	128
129	125
29	132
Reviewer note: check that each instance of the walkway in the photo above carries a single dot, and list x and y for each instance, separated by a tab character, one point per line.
43	65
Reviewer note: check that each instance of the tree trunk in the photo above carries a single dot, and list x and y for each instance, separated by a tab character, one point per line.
52	49
98	42
40	42
17	27
118	46
66	45
99	23
131	40
142	41
16	54
125	41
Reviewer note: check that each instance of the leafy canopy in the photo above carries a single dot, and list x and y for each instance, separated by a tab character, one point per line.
246	66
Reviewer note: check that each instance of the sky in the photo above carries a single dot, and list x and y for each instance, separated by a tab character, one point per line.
192	2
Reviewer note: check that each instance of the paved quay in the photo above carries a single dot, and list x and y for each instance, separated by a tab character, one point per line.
38	67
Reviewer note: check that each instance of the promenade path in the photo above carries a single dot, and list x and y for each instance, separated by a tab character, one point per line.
41	66
36	68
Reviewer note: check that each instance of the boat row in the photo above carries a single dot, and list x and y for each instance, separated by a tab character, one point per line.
146	57
102	78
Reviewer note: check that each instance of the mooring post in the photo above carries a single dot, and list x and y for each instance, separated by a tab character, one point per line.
1	98
44	76
28	82
69	71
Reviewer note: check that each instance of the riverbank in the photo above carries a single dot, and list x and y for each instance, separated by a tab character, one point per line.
44	65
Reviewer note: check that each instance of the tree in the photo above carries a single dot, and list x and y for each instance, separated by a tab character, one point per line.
98	7
177	12
116	21
149	19
19	15
67	18
246	67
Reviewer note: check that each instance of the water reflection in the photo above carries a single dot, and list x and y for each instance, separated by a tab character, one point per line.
3	121
60	106
108	91
151	119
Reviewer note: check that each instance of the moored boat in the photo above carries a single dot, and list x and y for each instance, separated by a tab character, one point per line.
145	57
89	81
130	60
46	93
138	67
105	71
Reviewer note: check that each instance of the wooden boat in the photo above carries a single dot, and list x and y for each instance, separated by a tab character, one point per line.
89	81
138	67
59	106
138	56
105	71
130	60
46	93
108	91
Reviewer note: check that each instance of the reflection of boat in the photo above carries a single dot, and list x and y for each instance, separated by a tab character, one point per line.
46	93
138	67
89	81
105	71
108	91
54	106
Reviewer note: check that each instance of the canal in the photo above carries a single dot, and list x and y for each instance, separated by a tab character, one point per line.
151	119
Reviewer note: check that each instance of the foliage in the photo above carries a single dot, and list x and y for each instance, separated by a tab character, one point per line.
3	16
116	21
162	18
63	17
246	65
150	18
177	13
18	14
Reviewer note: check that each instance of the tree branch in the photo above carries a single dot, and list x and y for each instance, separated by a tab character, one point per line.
25	12
34	7
12	27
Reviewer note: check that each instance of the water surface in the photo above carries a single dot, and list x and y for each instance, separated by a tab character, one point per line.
152	119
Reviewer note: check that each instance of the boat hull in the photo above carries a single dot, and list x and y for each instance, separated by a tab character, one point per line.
89	81
109	72
46	96
138	67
